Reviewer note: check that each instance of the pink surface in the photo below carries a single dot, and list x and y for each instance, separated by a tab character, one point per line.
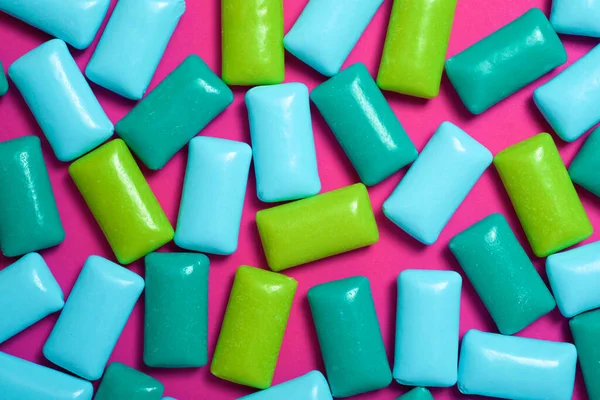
199	32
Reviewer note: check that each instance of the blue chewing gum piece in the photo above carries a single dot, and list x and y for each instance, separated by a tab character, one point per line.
28	293
24	380
132	45
93	317
327	31
213	195
74	21
427	321
512	367
569	101
311	386
283	145
437	183
574	276
576	17
61	100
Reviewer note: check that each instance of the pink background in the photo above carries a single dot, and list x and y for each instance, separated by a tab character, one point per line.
199	32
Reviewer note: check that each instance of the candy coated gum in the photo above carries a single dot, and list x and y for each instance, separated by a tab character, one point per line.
584	168
576	17
121	382
311	386
586	330
418	393
3	81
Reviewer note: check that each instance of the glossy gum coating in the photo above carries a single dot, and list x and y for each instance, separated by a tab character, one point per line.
61	100
505	61
93	318
502	274
176	310
574	276
586	330
283	145
326	32
28	293
121	382
543	195
187	100
29	219
584	168
3	81
253	327
427	322
213	195
74	21
317	227
576	17
437	183
24	380
512	367
364	124
310	386
133	44
349	336
415	47
569	100
252	42
418	393
121	200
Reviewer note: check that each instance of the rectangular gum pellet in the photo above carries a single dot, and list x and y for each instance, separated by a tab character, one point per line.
252	42
502	274
586	164
349	336
122	202
310	386
28	293
569	100
437	183
187	100
74	21
418	393
3	81
415	47
586	330
253	327
317	227
427	322
121	382
176	310
543	195
29	219
61	100
576	17
283	145
93	318
327	31
512	367
133	44
24	380
505	61
364	124
213	195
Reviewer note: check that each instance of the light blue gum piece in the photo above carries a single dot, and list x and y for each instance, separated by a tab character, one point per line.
74	21
132	45
61	100
28	293
574	276
310	386
283	145
24	380
576	17
512	367
213	195
437	183
569	101
427	322
93	317
327	31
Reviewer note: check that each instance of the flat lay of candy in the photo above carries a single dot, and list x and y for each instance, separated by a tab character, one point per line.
299	199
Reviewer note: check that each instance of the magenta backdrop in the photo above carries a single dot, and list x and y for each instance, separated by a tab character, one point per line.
199	32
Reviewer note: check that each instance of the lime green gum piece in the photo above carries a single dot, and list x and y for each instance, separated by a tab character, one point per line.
543	195
586	331
418	393
176	312
252	42
317	227
415	47
121	382
122	202
3	81
253	327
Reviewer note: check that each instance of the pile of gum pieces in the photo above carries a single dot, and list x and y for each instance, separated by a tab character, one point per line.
307	225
